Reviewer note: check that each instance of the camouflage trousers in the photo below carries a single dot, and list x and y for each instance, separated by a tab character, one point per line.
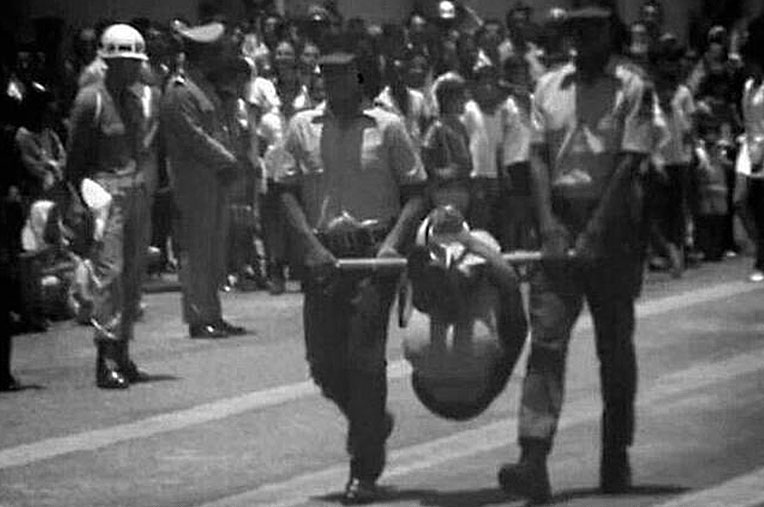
557	297
119	258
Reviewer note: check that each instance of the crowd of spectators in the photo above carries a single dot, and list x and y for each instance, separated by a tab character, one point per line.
464	87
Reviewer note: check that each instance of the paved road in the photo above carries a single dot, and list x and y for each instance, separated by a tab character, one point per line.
238	423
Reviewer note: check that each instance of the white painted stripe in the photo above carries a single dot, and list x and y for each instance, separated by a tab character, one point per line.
299	490
743	491
209	412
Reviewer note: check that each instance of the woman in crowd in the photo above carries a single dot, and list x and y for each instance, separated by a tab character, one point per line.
41	151
409	104
274	103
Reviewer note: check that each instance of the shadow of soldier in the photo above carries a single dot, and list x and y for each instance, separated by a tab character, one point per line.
484	497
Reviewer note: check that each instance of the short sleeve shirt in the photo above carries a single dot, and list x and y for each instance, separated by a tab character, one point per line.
586	125
679	148
485	131
355	168
517	133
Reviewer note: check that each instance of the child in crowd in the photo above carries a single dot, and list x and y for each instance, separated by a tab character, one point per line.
711	164
678	106
516	199
445	147
483	117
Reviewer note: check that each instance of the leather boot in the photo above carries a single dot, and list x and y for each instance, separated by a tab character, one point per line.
615	471
529	477
128	368
108	375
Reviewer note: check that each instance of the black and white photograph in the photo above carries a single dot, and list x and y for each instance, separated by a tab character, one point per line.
405	253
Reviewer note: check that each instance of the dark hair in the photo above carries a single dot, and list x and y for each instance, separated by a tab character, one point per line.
753	48
369	72
449	88
36	100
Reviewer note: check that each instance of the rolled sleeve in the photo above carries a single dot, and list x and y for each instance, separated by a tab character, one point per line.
640	121
403	160
81	142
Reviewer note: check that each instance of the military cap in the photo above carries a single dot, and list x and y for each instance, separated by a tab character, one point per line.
336	60
209	33
318	13
590	10
588	13
446	10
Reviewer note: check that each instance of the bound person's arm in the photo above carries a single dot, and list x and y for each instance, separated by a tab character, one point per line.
412	213
501	269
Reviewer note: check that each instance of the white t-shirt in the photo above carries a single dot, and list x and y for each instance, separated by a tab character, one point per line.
752	152
517	133
678	150
485	131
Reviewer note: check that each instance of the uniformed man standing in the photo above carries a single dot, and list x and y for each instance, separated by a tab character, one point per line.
592	120
354	167
109	129
202	163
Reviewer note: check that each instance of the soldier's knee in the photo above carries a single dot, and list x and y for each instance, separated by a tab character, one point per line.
331	380
546	359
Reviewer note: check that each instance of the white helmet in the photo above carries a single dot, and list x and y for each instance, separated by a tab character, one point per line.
122	41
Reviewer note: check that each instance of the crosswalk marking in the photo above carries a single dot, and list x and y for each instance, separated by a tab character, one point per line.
743	491
297	491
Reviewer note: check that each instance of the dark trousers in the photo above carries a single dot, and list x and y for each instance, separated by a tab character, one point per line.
728	226
275	236
672	212
557	297
756	207
485	210
204	219
518	216
6	337
345	338
119	259
710	236
163	213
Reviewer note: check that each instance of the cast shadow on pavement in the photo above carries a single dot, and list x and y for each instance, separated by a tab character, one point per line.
639	490
24	387
494	496
159	377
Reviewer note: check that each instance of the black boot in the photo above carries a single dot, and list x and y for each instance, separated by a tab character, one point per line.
529	477
128	368
615	471
108	375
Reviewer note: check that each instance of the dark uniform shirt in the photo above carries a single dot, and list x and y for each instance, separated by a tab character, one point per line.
105	137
